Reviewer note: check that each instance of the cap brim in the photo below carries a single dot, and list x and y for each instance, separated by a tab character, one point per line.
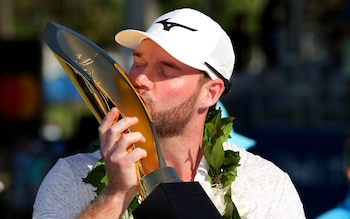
131	38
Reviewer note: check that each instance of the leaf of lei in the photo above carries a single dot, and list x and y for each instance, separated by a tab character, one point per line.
222	164
97	177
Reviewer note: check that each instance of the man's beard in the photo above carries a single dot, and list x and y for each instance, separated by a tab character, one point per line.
171	122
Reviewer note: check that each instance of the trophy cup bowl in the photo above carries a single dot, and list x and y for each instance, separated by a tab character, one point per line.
103	84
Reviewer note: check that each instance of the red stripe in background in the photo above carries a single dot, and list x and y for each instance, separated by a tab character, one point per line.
19	96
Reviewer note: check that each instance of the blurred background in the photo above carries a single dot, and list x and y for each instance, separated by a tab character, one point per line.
291	87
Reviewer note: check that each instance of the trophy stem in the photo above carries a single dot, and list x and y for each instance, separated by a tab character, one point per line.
162	175
161	161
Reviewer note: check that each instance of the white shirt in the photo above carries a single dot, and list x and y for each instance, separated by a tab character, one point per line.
261	189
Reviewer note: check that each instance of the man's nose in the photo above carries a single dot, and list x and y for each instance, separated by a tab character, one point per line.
143	79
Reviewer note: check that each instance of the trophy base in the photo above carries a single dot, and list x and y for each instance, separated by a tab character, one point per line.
177	200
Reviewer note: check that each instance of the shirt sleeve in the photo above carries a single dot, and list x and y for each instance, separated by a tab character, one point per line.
63	194
288	203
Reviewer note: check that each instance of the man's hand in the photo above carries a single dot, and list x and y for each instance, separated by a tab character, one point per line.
120	162
116	142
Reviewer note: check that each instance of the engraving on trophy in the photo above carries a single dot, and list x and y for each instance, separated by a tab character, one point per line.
84	64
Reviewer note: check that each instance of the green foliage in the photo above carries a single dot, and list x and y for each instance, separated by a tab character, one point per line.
231	210
222	164
229	167
97	177
134	204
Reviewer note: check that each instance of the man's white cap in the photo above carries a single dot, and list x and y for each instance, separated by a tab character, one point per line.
192	38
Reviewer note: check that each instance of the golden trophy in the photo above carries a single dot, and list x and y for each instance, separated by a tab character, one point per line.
103	84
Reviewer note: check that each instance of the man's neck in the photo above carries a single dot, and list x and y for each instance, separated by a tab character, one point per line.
183	154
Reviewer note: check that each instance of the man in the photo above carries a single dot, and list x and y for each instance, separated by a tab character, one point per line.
182	65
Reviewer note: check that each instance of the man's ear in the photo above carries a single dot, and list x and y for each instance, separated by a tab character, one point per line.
213	90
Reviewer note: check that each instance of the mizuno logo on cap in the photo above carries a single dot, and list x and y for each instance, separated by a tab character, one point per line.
168	25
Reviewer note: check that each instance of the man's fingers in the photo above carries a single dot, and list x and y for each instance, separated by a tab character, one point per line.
110	118
124	145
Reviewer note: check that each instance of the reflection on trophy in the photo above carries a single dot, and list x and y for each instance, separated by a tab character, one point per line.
103	84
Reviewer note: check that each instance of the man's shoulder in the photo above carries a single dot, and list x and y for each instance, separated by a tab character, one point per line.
266	187
83	158
256	167
63	187
86	157
79	163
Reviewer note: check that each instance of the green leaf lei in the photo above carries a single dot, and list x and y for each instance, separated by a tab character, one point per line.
222	164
